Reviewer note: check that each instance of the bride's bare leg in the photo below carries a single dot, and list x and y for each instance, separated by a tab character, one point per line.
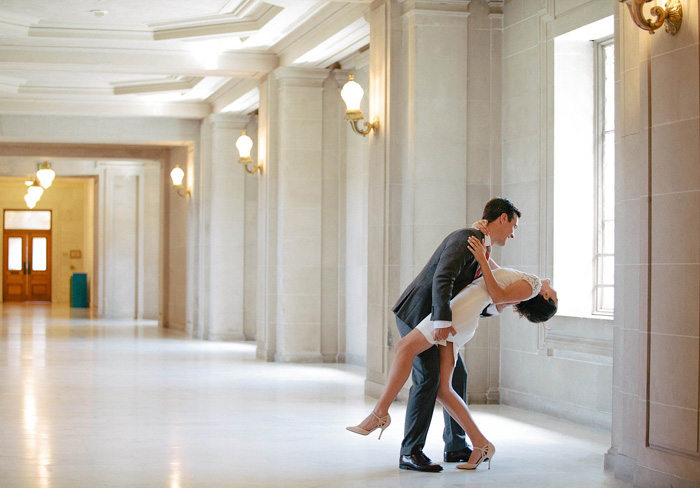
454	405
405	350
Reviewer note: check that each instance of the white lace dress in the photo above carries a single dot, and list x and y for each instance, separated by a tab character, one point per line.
467	306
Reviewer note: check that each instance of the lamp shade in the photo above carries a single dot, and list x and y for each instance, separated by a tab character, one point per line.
177	175
244	145
35	191
45	174
31	203
352	94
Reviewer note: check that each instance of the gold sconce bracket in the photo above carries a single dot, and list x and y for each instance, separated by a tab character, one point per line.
355	116
182	191
671	15
256	167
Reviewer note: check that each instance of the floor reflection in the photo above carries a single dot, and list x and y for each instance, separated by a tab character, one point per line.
89	402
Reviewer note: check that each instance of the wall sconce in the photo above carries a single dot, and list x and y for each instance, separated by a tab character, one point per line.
352	94
244	144
45	174
177	175
671	15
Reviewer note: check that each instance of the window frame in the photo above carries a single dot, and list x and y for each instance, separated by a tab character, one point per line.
601	135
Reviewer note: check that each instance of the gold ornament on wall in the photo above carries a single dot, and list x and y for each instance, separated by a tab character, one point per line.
671	15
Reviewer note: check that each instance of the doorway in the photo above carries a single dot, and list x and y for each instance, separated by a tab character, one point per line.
26	256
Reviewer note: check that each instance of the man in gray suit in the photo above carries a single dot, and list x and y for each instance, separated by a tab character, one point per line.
451	268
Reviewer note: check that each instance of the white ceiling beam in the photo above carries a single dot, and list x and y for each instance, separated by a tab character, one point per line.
321	27
133	61
182	110
155	86
232	92
215	25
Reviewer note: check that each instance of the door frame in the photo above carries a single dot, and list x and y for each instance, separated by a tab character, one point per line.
28	248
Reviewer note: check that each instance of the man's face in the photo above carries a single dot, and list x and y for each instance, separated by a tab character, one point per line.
505	230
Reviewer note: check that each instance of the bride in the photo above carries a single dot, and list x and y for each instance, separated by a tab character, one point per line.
533	298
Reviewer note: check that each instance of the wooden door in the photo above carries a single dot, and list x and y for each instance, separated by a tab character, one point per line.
27	265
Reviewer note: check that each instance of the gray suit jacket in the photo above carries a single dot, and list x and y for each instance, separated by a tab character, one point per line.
451	267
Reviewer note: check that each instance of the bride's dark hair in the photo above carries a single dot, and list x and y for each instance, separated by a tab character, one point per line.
537	309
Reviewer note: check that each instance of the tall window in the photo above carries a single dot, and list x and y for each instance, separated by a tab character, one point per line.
603	299
584	166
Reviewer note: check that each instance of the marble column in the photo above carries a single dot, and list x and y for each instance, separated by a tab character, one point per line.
226	222
290	215
417	192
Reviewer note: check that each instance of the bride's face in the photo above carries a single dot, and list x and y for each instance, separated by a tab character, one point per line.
548	292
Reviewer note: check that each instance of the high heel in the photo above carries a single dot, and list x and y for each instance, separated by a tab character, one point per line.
382	423
487	453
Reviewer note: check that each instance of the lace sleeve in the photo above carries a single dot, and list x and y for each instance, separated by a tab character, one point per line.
534	282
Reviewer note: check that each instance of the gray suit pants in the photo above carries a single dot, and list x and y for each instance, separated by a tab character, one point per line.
422	397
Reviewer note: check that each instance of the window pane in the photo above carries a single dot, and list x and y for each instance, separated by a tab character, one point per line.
605	298
38	253
609	66
606	270
14	253
608	246
28	219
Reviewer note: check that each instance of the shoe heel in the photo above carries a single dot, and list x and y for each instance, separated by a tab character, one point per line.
384	423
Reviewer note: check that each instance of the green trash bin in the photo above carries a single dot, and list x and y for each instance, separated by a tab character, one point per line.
78	290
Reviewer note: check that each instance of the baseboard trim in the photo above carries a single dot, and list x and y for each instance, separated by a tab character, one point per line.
573	413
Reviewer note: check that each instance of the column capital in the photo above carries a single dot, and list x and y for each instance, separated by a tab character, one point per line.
452	8
341	76
229	121
313	77
495	8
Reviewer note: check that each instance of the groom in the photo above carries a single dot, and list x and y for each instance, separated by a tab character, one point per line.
451	268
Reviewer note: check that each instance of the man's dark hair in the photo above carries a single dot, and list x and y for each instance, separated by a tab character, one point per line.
537	309
498	206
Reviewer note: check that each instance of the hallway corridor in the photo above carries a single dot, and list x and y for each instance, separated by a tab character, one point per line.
106	403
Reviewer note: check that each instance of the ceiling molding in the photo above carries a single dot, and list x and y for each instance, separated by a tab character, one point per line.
90	31
82	150
336	47
175	83
318	29
233	92
214	25
133	61
181	110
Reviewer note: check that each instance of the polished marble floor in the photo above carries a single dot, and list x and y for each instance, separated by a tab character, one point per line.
109	403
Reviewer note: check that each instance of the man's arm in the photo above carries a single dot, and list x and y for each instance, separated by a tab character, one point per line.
452	261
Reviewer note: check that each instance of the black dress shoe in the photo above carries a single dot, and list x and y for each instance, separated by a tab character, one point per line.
460	456
419	462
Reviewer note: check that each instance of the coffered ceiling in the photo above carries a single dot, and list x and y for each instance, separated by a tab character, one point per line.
163	57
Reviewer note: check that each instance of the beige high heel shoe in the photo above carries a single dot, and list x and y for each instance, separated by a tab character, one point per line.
382	423
487	453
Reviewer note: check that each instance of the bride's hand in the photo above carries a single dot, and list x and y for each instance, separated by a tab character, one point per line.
478	250
442	334
480	225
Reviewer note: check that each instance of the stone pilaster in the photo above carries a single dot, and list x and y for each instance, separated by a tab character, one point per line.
224	252
290	215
